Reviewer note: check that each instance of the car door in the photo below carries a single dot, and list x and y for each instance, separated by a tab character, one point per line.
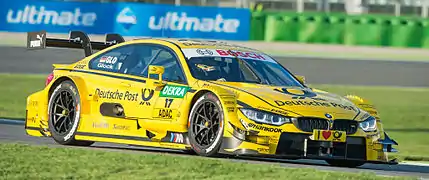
120	96
168	98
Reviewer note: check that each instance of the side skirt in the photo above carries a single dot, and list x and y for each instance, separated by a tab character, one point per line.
130	140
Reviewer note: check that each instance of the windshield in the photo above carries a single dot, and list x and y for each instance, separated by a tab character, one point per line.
234	69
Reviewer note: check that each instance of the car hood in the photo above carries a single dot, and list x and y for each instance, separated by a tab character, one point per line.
301	101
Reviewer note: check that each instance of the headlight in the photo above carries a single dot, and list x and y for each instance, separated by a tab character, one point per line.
369	125
265	117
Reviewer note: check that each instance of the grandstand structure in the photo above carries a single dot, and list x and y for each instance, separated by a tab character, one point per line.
389	7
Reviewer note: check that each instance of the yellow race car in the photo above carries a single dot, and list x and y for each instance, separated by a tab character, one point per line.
205	97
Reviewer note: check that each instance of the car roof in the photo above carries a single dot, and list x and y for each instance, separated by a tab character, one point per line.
205	44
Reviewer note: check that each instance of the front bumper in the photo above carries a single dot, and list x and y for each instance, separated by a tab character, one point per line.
300	146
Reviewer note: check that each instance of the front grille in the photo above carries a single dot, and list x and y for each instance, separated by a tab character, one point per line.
346	125
307	124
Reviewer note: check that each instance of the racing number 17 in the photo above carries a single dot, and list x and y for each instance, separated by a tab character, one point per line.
168	103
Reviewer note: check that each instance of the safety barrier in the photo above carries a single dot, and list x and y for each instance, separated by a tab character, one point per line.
367	30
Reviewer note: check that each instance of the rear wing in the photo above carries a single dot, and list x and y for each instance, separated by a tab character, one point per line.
77	39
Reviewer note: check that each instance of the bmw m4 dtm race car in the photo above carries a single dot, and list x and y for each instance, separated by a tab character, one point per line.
206	97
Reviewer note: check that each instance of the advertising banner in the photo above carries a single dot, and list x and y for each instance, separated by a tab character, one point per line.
56	17
183	21
127	19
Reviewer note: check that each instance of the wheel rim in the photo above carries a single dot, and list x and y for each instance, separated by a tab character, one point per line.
206	123
63	112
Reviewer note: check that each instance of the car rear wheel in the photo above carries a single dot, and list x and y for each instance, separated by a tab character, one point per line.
64	114
345	163
206	124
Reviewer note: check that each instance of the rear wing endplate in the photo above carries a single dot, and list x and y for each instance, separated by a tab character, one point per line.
77	39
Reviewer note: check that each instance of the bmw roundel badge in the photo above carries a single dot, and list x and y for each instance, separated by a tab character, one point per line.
327	115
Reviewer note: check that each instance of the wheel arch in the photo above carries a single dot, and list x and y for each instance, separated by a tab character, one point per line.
228	100
80	84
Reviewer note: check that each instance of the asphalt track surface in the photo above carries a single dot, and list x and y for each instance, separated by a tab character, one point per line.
316	70
13	131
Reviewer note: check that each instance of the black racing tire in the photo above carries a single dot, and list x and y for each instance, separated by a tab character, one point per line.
345	163
64	114
206	125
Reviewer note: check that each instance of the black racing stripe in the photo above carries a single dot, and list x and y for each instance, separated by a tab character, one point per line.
241	103
113	136
254	96
33	128
357	114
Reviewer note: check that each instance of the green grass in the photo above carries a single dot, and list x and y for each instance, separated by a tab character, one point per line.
14	90
404	111
35	162
347	55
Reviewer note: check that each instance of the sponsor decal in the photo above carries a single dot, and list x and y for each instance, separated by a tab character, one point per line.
164	113
229	102
32	14
302	94
36	40
107	62
174	91
279	112
240	54
146	96
104	66
328	135
231	109
121	127
192	52
176	138
204	52
175	21
117	95
264	128
126	18
314	103
100	125
264	150
79	66
108	59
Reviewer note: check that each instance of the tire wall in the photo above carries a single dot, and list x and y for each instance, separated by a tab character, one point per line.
368	30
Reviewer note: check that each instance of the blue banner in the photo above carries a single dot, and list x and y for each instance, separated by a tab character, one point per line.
127	19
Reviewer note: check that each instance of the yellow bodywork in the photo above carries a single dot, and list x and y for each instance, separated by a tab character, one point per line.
143	115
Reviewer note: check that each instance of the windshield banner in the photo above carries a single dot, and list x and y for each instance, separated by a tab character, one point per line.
191	52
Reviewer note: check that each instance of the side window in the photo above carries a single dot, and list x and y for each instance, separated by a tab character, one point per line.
173	71
113	60
135	60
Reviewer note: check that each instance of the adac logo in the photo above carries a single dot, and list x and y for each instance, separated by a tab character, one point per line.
126	18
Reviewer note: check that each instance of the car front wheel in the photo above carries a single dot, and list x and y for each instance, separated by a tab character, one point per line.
206	124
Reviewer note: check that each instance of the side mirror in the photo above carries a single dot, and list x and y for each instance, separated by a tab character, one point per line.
301	79
156	70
